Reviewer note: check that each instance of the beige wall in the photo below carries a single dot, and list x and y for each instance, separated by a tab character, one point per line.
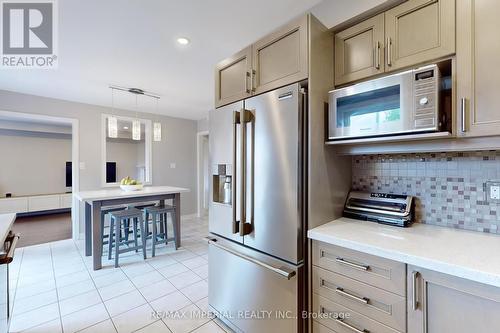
33	163
178	143
126	155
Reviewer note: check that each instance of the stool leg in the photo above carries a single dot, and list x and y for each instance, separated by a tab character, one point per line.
165	227
154	235
172	216
110	240
146	223
103	216
127	229
117	241
134	226
143	238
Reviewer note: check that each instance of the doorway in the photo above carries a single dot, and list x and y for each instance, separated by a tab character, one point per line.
203	169
44	150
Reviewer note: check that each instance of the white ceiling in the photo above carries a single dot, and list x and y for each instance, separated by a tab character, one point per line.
133	43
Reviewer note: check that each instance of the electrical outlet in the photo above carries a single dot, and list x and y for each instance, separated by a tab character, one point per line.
172	165
493	192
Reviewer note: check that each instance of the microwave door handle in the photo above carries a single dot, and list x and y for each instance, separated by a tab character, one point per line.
236	121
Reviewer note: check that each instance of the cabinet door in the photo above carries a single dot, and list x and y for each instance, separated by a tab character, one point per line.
358	51
439	303
419	31
281	57
13	205
478	76
232	78
43	202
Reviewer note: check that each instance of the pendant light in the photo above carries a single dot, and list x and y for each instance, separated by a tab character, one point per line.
112	121
136	124
157	132
157	127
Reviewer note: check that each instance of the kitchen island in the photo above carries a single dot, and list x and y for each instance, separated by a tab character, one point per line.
95	200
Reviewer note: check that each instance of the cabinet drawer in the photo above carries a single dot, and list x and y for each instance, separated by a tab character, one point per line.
66	200
378	304
13	205
344	320
379	272
318	328
43	202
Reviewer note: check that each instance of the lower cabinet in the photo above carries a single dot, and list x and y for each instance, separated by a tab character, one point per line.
439	303
346	298
36	203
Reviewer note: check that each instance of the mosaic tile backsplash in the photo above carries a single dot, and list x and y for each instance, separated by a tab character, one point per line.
449	188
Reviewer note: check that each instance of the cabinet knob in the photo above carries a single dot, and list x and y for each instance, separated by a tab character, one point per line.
424	101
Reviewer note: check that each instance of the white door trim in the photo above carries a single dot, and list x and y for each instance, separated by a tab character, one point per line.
199	170
75	157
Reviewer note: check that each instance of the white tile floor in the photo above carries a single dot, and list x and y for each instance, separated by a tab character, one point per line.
54	289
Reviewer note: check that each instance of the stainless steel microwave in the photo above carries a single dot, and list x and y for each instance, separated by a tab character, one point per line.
402	103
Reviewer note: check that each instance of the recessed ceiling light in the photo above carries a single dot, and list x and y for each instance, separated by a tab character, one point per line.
183	40
125	127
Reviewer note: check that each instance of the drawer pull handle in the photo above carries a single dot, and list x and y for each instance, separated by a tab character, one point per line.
351	264
352	328
341	291
414	277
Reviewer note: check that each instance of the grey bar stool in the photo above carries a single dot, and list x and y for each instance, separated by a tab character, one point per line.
104	212
159	214
121	219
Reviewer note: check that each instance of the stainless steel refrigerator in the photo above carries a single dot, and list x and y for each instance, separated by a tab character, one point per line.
257	212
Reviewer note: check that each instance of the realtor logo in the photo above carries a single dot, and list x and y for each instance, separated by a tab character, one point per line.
28	34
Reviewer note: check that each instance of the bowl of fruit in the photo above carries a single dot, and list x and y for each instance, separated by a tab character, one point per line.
128	184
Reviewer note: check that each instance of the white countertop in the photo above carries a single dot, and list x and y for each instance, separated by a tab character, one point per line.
117	193
466	254
6	221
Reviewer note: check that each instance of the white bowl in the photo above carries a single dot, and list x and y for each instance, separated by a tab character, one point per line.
130	188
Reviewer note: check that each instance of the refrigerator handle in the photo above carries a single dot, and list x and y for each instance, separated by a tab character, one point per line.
236	121
246	116
283	271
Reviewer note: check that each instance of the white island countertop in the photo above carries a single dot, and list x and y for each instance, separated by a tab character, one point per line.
6	222
118	193
466	254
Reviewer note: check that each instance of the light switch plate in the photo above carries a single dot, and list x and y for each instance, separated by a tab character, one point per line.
172	165
493	191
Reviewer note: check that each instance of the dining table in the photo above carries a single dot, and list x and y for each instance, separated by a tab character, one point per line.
95	200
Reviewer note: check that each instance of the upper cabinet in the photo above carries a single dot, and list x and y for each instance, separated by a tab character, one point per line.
478	51
274	61
281	57
232	78
359	51
418	31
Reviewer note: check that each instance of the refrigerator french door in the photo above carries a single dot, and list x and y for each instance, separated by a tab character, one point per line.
256	243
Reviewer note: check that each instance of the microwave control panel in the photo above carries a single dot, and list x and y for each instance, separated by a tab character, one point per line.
426	95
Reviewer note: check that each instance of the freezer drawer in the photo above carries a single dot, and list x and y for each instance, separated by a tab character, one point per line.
250	291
